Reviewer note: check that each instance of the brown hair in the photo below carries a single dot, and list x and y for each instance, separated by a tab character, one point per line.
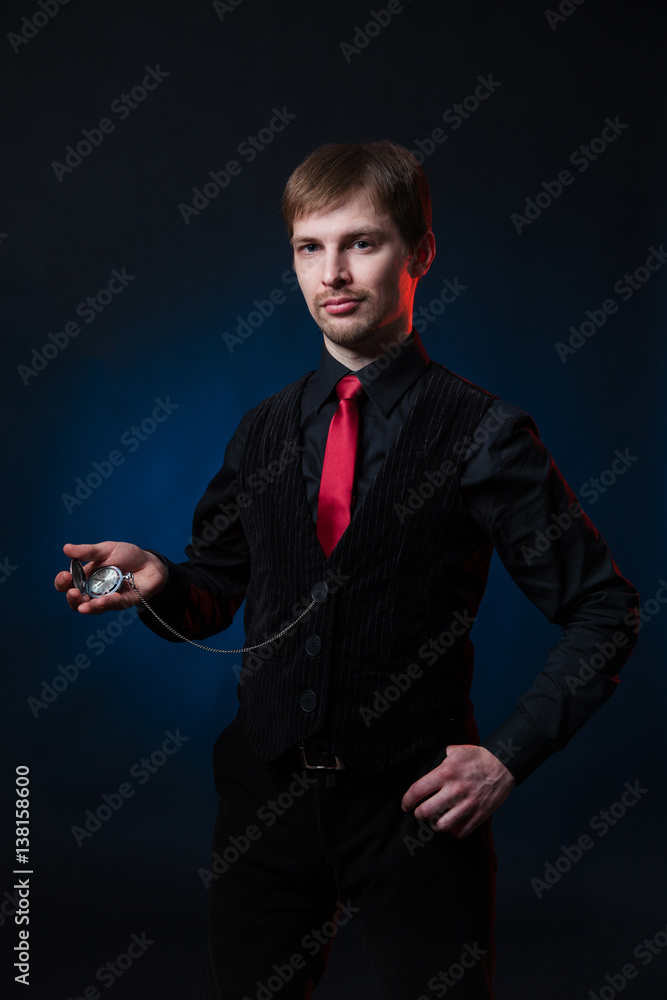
391	175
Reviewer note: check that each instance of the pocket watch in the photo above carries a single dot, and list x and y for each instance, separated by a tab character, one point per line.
102	581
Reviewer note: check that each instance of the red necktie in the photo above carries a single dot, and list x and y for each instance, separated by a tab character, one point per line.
335	499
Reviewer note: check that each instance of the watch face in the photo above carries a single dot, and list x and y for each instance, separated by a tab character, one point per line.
105	580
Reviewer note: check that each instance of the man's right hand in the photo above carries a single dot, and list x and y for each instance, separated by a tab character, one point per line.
150	575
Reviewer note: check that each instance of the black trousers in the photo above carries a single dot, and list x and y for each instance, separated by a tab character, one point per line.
297	852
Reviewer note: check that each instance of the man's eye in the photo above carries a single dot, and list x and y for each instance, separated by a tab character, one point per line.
307	248
364	242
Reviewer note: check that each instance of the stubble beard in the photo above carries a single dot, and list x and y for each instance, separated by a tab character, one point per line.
352	331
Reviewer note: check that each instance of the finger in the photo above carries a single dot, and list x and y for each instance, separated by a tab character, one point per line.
63	581
111	602
455	828
444	815
421	789
76	598
461	823
433	780
96	552
457	818
436	806
86	606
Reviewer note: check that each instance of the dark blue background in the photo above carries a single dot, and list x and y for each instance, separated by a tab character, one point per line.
161	338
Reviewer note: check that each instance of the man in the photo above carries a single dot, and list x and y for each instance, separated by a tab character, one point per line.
365	500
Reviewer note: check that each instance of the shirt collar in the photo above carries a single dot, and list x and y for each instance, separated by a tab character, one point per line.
384	382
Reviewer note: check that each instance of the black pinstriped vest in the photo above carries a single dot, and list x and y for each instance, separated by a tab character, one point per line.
382	665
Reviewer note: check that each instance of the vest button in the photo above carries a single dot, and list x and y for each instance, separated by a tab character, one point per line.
308	701
313	645
319	592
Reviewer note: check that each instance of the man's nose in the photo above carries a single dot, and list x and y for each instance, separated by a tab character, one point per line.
335	272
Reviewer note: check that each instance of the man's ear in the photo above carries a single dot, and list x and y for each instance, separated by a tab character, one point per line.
423	256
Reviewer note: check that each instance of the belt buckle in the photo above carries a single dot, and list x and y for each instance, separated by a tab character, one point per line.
338	766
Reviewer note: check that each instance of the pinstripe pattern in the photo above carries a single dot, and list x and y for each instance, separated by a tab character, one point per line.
398	578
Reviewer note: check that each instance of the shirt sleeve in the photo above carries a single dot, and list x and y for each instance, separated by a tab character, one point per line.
516	495
204	591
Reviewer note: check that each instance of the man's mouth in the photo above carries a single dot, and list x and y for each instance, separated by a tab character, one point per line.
340	306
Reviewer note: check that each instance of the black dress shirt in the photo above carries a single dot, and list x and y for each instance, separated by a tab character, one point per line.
390	391
515	495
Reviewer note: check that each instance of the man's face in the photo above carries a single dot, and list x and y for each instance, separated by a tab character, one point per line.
355	273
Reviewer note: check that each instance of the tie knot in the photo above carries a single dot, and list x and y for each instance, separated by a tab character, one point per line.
349	387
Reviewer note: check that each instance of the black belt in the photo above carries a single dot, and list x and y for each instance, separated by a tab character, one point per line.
315	757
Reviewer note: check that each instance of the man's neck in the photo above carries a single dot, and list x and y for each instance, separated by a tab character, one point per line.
358	356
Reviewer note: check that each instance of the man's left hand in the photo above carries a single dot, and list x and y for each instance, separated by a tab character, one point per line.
460	793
